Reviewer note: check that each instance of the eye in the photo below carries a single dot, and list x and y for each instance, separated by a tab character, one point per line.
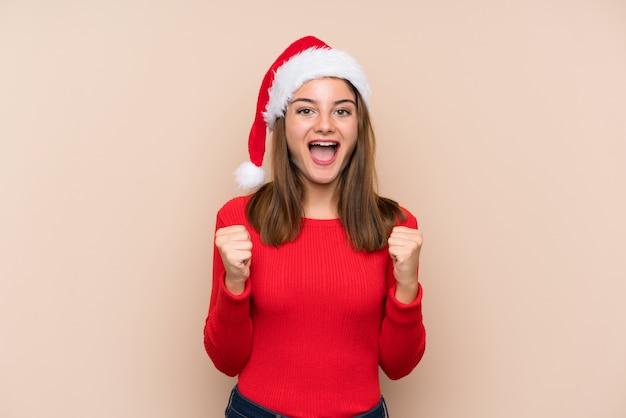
304	111
343	112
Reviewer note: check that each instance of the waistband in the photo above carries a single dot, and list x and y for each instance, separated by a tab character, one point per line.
241	407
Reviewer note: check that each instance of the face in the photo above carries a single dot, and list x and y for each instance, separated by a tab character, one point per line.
321	128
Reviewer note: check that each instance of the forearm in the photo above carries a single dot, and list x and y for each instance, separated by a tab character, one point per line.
403	337
407	293
234	286
228	331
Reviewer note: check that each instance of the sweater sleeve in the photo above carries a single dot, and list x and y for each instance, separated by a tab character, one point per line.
403	336
228	327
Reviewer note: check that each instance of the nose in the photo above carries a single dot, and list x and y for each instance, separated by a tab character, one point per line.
324	123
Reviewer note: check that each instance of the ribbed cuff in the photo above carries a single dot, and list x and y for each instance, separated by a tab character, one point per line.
403	313
233	309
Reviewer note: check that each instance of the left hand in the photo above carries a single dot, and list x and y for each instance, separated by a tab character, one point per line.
405	245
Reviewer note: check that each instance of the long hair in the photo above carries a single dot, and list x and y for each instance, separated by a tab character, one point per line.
276	210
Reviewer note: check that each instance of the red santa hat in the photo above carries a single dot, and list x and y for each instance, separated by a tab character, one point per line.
306	59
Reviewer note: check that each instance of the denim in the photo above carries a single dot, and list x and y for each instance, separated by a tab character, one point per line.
242	407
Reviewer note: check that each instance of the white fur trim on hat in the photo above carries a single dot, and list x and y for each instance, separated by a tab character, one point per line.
308	65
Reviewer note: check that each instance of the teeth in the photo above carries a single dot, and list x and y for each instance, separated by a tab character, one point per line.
323	144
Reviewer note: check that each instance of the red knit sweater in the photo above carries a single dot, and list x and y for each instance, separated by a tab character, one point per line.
315	321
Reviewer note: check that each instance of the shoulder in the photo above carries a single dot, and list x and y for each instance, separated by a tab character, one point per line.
234	211
236	203
393	210
410	219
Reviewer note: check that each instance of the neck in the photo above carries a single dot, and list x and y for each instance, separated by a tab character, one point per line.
320	202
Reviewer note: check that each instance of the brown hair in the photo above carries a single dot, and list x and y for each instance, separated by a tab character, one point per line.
276	211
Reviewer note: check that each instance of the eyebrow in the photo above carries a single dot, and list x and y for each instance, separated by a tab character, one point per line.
307	100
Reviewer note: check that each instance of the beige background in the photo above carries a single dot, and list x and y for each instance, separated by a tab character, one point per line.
501	126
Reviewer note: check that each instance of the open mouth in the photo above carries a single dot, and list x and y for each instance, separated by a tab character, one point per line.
323	151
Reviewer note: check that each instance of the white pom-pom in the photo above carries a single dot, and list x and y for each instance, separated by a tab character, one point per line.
249	176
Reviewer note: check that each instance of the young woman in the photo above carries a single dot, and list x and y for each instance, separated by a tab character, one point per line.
315	276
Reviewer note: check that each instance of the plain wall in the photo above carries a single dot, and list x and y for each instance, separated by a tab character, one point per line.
501	125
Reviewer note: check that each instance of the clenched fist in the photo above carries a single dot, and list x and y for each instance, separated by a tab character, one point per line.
404	248
235	247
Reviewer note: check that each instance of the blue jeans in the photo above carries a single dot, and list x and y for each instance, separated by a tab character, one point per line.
241	407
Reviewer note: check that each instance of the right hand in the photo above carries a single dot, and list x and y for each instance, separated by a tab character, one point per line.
235	247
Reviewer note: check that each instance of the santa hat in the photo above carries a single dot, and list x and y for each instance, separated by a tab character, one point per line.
306	59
